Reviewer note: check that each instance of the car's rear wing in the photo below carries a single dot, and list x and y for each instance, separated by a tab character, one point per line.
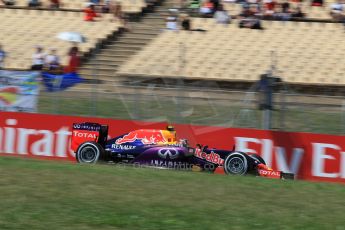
87	131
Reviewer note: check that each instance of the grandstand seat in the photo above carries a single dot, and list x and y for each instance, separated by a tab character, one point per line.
310	53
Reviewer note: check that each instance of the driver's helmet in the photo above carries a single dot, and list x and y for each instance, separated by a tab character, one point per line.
170	134
170	128
183	142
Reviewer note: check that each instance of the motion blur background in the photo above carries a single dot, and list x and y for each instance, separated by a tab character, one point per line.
264	64
256	63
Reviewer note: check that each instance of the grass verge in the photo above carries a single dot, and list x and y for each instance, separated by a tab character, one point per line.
49	195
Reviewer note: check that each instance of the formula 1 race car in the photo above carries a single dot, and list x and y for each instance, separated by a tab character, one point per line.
160	148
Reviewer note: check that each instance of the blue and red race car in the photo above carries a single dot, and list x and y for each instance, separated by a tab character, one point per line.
160	148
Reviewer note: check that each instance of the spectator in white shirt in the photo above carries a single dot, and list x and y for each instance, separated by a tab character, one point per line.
171	20
221	16
38	59
52	61
337	10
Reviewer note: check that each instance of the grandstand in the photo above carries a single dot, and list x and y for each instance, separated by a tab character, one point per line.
306	53
119	64
22	30
312	12
132	6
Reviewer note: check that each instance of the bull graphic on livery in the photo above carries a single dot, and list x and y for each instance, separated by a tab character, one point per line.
160	148
147	137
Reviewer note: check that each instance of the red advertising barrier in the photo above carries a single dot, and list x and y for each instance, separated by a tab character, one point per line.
315	157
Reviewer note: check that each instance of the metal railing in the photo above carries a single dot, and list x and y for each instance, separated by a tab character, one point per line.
200	104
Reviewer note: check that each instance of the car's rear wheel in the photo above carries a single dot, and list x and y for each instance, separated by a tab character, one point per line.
236	164
89	152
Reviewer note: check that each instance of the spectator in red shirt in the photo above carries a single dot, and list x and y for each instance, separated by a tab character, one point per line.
74	61
55	4
90	13
317	3
269	7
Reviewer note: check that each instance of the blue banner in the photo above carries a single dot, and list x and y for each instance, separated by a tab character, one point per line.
60	82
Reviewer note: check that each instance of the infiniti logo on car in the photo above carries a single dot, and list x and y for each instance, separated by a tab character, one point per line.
164	153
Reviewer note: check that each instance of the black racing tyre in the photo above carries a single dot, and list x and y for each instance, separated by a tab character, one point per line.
236	163
89	153
258	158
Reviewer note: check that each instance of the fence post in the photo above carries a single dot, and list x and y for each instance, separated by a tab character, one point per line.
267	117
57	94
282	109
342	131
94	90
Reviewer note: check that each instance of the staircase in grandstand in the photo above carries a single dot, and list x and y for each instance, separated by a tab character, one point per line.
103	64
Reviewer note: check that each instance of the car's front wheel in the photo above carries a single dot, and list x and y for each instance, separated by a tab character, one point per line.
89	152
236	164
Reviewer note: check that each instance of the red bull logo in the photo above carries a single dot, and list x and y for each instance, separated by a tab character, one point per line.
210	157
145	136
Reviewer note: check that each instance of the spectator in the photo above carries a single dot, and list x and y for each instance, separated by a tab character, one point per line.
118	14
171	20
207	8
215	5
118	10
38	59
107	6
55	4
317	3
248	18
283	11
252	23
9	2
185	22
337	10
2	57
222	15
74	61
34	3
269	8
285	7
247	11
52	61
90	13
297	12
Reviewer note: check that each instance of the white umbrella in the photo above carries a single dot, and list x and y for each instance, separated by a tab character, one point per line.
71	37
